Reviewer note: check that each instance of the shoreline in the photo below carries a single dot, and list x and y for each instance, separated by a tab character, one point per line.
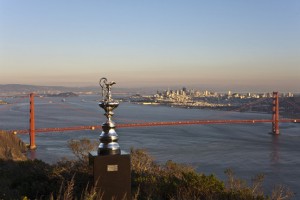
196	107
220	108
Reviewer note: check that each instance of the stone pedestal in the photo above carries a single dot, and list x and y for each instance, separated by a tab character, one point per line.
112	175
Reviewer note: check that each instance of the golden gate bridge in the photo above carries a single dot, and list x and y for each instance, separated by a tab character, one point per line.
32	130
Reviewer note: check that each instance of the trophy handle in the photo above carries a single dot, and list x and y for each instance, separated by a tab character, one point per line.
106	88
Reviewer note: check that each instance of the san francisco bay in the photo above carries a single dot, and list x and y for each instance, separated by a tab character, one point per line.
248	149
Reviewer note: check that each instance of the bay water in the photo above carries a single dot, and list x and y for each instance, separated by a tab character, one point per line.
248	149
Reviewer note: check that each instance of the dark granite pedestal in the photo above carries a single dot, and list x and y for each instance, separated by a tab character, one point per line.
112	175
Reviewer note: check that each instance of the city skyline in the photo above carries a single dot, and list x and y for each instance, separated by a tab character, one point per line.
236	45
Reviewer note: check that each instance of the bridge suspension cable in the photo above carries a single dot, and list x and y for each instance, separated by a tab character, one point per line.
151	124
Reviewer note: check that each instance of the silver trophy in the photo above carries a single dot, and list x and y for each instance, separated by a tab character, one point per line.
108	138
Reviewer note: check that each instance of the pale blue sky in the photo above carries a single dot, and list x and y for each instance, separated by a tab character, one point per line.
241	45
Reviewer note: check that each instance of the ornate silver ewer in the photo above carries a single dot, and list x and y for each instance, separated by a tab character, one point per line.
108	138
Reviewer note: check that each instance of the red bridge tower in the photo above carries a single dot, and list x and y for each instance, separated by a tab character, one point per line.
275	115
32	123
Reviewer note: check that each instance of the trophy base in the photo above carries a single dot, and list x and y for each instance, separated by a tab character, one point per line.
112	176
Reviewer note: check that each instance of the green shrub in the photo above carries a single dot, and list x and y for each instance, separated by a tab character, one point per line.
171	181
26	178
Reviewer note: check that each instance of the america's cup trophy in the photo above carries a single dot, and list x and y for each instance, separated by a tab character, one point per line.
110	165
108	138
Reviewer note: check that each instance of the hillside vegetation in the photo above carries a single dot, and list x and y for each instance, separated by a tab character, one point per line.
11	147
70	179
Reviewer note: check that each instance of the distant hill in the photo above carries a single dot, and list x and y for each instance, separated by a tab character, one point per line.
2	102
19	89
13	89
64	94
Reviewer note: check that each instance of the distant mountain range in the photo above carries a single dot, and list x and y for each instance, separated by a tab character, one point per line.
30	88
19	89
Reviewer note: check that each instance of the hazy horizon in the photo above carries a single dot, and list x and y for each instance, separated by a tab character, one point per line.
214	45
153	89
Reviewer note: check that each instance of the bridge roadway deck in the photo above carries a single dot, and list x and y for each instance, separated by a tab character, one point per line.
149	124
